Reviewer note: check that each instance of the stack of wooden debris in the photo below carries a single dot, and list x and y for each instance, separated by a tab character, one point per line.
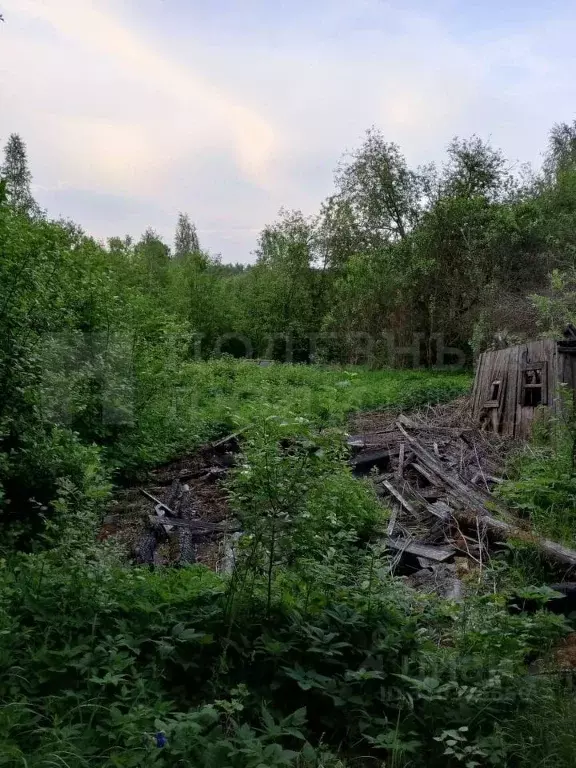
438	477
435	470
182	516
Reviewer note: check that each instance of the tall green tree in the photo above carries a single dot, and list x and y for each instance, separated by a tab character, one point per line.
475	168
382	191
186	238
561	154
152	256
17	175
283	289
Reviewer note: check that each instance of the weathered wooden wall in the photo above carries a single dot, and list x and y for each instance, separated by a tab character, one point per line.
513	417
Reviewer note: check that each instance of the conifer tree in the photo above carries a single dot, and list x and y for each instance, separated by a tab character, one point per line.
17	176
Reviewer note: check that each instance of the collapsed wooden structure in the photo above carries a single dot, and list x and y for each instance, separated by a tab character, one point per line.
437	471
512	383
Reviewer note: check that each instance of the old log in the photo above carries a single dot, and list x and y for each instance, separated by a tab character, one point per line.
551	549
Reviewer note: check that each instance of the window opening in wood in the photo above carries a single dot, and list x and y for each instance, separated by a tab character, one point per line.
495	395
533	386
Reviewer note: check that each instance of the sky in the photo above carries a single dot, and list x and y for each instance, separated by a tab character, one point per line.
134	110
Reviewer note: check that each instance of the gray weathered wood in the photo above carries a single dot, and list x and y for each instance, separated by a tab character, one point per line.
432	552
392	521
508	415
441	510
157	502
424	472
198	525
475	510
552	549
471	496
400	470
398	496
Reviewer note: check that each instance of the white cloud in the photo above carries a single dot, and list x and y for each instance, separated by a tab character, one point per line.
198	114
233	130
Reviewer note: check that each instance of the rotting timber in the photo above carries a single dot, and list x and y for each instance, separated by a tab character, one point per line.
436	470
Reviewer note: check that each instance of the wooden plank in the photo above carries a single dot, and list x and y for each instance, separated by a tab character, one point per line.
374	439
509	422
484	374
400	470
496	366
504	366
160	508
196	525
477	376
157	502
536	353
438	554
458	488
478	384
440	510
553	379
494	371
552	382
432	492
487	378
425	473
392	521
398	496
519	427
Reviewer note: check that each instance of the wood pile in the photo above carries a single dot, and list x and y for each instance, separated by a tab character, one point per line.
437	472
182	514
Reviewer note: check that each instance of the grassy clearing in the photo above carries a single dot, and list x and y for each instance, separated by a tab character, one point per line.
177	409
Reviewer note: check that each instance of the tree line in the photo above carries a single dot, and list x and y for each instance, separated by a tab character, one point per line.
468	254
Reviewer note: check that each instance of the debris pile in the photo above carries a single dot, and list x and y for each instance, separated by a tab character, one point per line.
436	471
182	515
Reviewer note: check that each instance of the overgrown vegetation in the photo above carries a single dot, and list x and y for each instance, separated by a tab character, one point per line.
542	476
117	357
